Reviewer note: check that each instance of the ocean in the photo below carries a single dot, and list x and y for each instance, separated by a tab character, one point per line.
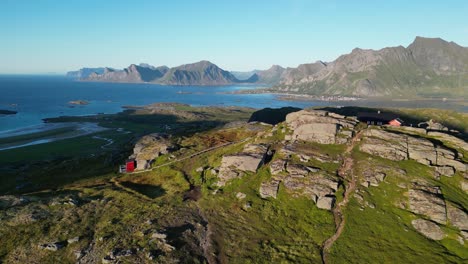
39	97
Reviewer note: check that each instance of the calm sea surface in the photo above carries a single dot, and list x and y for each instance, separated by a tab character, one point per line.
38	97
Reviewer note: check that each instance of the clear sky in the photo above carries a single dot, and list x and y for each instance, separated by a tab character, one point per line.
45	36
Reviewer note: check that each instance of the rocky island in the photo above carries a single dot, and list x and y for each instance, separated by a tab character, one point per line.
7	112
79	102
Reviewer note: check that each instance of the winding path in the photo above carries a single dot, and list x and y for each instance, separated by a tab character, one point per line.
345	172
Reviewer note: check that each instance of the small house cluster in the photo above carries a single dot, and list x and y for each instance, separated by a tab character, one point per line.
379	119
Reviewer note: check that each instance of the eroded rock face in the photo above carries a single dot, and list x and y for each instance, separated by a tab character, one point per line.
384	149
457	217
269	189
426	200
453	140
250	159
398	147
150	147
428	229
319	126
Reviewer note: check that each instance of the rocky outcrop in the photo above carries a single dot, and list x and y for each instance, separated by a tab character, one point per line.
269	189
53	246
428	229
427	200
398	147
277	166
319	126
250	159
7	201
149	148
456	142
372	178
445	170
457	217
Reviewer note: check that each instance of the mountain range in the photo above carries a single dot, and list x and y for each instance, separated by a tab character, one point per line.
427	67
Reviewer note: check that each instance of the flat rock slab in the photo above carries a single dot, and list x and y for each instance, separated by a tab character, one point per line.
326	202
457	217
269	189
426	200
428	229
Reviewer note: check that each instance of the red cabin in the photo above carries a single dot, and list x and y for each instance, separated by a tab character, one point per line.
130	165
395	122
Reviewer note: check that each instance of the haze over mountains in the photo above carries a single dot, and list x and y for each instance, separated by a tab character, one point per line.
427	67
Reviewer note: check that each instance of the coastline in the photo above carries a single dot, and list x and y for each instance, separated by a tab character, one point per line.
45	133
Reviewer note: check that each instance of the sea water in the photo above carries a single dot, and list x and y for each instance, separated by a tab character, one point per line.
39	97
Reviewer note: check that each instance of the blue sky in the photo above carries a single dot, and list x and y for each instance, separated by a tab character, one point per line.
45	36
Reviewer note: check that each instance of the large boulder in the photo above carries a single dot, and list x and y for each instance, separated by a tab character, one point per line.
313	186
326	202
318	126
428	229
427	201
249	160
316	132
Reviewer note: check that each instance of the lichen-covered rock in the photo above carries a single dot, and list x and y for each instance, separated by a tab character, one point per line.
446	157
297	170
421	150
384	149
457	217
428	229
427	200
316	132
445	170
313	186
269	189
277	166
326	202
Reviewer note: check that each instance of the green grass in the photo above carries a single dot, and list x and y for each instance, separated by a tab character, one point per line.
272	230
